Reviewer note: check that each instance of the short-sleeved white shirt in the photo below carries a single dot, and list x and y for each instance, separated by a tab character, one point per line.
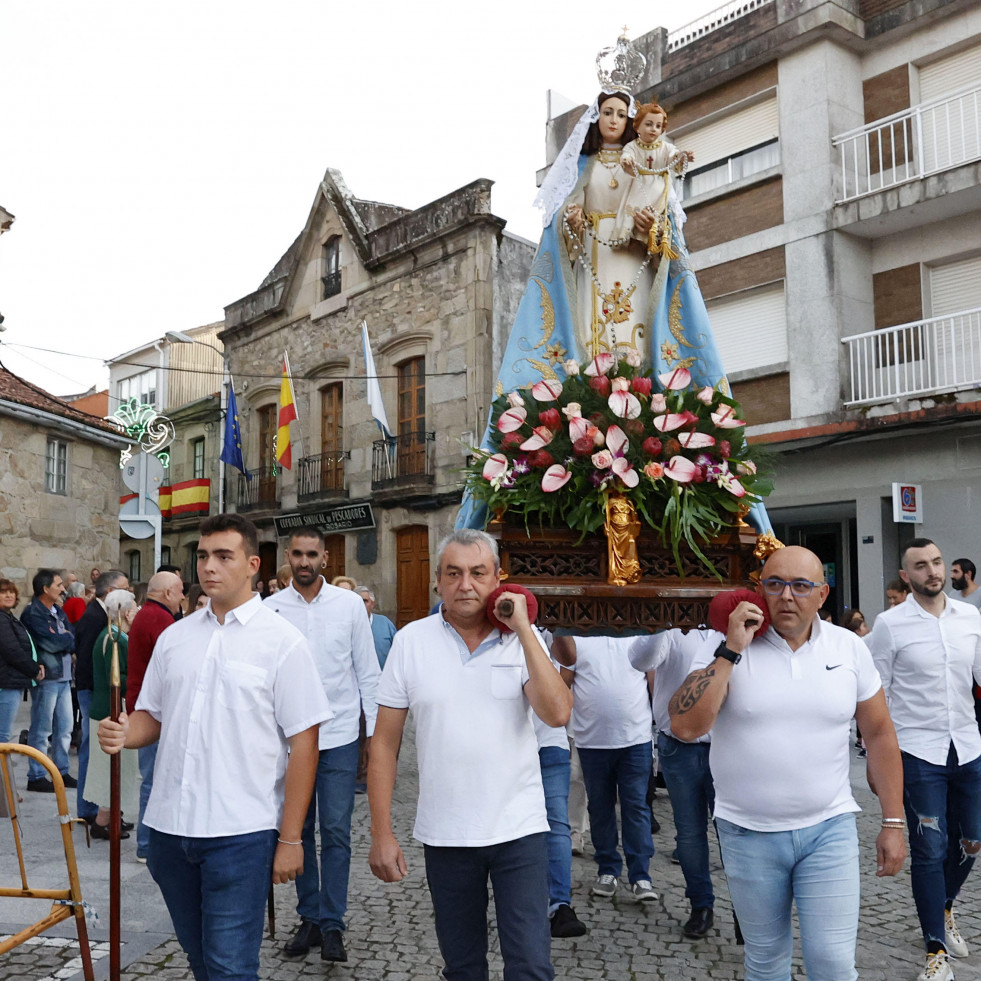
335	625
611	707
228	698
480	780
780	745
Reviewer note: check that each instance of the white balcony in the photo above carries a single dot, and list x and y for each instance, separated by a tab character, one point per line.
909	145
928	357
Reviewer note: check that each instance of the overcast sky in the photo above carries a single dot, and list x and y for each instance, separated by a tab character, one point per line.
160	157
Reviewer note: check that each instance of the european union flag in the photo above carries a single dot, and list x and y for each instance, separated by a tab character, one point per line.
232	450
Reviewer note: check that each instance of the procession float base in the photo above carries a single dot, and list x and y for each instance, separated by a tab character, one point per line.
570	578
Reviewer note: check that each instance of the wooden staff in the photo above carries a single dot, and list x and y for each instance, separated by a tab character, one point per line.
115	814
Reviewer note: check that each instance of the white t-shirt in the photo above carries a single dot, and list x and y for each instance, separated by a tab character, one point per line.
480	781
557	736
611	708
781	742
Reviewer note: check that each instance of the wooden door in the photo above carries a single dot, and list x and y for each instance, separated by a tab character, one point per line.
412	417
332	438
336	557
267	455
414	596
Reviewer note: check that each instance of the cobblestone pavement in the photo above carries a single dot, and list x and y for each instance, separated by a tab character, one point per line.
390	935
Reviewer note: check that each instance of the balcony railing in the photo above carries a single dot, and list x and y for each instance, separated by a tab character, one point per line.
921	358
711	21
907	145
322	474
258	492
406	455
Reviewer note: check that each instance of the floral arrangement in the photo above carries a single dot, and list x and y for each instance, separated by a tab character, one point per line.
676	451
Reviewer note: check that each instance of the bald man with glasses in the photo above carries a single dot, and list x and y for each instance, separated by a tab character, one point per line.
779	703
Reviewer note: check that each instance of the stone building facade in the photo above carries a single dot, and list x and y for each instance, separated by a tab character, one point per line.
437	288
833	214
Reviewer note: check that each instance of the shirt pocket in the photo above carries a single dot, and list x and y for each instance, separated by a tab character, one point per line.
241	687
506	680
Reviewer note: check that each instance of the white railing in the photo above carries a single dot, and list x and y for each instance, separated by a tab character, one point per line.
920	358
710	21
910	144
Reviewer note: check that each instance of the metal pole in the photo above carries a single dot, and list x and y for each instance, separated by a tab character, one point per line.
221	414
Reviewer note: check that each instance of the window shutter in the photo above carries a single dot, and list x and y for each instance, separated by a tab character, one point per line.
750	327
723	137
955	287
956	71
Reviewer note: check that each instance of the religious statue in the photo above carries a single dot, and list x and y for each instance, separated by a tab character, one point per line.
622	527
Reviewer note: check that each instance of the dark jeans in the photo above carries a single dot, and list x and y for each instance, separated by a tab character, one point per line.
609	774
943	811
215	890
457	879
689	781
554	762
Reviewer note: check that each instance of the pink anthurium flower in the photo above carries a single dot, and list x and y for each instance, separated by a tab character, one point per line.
679	378
621	467
725	418
670	422
540	436
495	466
696	441
600	365
681	469
578	428
547	391
732	485
624	405
512	419
555	478
616	440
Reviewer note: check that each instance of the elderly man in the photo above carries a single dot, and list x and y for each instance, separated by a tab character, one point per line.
382	629
481	812
928	651
776	702
164	593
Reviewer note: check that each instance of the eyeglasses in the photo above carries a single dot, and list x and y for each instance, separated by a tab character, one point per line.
799	587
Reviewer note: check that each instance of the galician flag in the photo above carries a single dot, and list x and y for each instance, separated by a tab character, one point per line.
287	413
375	402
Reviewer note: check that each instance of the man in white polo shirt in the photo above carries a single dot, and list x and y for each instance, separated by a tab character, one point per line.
481	810
780	707
928	652
228	692
336	627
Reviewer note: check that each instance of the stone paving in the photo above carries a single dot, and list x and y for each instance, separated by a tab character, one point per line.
390	935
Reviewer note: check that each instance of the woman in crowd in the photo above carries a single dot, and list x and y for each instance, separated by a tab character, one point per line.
19	668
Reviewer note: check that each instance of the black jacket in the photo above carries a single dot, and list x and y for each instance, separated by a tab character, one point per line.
18	669
90	624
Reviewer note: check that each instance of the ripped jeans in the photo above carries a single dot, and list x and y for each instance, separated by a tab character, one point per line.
943	811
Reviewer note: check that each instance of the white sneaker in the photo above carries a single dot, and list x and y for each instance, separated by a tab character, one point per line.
643	891
956	945
605	885
577	843
937	968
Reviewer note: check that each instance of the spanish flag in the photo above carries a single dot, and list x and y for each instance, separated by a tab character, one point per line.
287	413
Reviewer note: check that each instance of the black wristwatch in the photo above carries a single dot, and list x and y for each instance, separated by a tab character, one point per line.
723	651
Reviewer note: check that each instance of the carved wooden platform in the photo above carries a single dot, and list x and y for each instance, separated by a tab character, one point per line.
570	579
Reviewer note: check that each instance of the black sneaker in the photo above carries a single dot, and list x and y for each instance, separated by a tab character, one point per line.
699	923
332	948
42	785
565	923
69	781
306	936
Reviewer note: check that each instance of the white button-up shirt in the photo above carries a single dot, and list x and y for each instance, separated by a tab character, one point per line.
228	698
336	627
926	664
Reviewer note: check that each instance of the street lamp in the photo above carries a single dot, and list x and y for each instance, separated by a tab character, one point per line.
179	337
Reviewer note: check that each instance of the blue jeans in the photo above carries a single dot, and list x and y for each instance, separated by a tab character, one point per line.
623	773
215	890
85	809
147	757
457	879
943	811
816	867
554	762
321	890
9	706
51	715
689	781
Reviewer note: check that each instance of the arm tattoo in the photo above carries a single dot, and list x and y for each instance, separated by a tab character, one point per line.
690	693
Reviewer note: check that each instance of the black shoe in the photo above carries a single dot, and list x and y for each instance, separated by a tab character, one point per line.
565	923
332	948
655	824
42	785
101	832
68	780
699	923
126	825
306	936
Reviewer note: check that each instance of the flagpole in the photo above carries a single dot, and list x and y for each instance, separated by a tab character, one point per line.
289	375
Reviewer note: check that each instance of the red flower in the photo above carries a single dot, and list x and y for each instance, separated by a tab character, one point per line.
699	477
633	426
601	385
652	446
511	441
672	447
583	446
540	459
641	385
598	420
551	419
724	448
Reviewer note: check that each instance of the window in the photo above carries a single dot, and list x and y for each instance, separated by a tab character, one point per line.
332	267
412	416
759	314
142	387
56	467
734	168
332	437
192	562
133	566
267	435
165	555
197	457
